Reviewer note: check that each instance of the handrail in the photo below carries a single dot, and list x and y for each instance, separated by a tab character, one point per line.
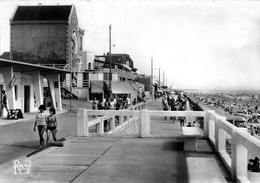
242	144
124	117
83	68
68	88
216	128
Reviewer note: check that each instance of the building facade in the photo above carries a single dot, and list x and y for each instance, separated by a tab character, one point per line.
46	35
49	36
24	85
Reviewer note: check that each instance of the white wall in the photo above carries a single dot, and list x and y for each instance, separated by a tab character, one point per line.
96	76
83	93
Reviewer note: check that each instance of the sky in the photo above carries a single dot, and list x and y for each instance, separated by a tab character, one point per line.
196	44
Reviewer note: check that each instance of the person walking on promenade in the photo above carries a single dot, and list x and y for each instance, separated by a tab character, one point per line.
51	122
182	121
106	107
125	103
107	104
256	108
40	122
173	107
4	101
112	104
165	106
94	105
134	102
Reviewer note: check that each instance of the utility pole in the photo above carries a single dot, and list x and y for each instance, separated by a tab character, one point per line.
159	77
110	60
166	80
151	80
163	78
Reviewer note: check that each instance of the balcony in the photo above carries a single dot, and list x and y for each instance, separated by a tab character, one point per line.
84	68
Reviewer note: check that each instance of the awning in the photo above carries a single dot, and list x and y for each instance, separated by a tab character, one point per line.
24	67
97	86
121	88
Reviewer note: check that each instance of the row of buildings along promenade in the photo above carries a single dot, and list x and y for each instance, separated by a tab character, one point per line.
47	62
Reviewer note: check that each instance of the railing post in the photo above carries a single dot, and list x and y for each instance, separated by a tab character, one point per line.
218	133
82	120
221	140
120	119
112	123
206	123
100	126
239	158
145	127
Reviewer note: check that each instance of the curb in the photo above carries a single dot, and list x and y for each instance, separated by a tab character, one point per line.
36	154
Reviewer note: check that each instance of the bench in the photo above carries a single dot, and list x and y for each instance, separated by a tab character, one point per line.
190	135
204	170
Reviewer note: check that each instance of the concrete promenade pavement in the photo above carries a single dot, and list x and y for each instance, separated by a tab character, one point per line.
17	137
114	159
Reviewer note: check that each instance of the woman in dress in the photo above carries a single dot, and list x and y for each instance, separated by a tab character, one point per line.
51	122
40	123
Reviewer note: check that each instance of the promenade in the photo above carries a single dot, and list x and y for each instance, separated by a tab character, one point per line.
121	159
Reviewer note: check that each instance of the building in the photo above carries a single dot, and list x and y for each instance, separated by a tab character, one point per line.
41	36
48	35
123	75
23	83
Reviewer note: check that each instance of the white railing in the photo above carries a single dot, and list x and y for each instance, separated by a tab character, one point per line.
83	68
68	88
125	118
215	128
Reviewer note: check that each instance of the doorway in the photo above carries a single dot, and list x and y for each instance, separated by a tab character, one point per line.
26	98
1	88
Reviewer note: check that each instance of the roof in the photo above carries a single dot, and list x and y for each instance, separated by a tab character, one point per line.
23	67
5	55
118	87
42	13
115	54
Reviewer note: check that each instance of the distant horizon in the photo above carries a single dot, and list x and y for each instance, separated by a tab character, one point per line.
223	90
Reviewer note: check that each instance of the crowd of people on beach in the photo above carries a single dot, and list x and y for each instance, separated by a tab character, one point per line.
250	114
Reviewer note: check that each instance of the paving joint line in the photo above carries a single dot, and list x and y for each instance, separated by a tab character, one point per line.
90	165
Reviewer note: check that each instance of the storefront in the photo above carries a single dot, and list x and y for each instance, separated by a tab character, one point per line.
23	83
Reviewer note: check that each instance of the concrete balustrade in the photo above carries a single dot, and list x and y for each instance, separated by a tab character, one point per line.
215	128
124	117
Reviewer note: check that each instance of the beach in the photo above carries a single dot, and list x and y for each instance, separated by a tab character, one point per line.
243	107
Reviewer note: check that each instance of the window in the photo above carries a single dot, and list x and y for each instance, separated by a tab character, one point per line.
16	92
106	76
81	44
85	79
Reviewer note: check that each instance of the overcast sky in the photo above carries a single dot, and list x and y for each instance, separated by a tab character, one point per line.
199	45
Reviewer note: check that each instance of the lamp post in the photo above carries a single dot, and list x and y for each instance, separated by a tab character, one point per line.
110	60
